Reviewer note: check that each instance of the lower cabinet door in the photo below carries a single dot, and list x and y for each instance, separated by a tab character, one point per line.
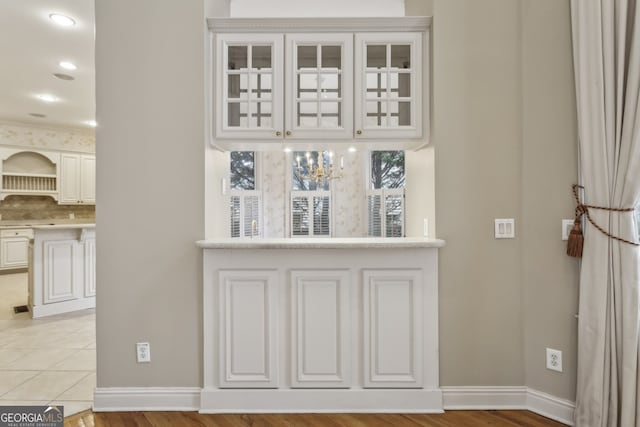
62	271
15	252
320	329
393	328
248	328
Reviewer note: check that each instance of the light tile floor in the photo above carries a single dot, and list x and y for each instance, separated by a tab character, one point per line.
45	361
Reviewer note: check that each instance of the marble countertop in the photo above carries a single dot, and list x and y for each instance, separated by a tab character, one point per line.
322	243
62	226
27	223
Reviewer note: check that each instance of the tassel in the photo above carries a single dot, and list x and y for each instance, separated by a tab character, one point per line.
576	240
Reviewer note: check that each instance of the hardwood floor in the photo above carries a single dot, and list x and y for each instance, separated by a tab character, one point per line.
185	419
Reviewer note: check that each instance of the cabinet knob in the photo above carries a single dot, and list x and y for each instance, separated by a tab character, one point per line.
278	133
288	133
359	132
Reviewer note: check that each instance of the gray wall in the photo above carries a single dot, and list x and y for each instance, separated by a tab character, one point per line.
505	147
549	167
150	187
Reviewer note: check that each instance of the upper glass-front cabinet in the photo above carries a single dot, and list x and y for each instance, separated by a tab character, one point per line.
319	89
249	86
326	85
388	85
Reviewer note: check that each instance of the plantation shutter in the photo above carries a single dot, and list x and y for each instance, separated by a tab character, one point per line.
246	207
374	213
310	213
385	219
299	215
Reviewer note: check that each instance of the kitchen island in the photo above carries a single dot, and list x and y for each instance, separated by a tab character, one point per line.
321	325
62	262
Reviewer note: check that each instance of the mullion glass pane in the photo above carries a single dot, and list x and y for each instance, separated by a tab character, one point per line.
331	58
307	57
401	56
261	86
330	86
376	85
377	56
261	57
237	57
330	115
307	114
308	86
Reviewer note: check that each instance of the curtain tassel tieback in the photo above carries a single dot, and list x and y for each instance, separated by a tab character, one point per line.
576	239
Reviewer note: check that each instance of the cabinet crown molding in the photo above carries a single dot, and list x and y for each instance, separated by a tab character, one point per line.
311	25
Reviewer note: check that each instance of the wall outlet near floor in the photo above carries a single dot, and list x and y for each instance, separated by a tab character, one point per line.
554	360
143	352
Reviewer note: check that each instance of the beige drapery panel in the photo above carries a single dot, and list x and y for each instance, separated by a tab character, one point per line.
606	45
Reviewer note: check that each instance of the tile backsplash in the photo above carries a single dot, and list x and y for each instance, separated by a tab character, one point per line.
21	208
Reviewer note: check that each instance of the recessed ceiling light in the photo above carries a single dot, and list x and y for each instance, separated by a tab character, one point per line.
47	97
38	115
352	149
91	123
68	65
287	150
62	20
63	76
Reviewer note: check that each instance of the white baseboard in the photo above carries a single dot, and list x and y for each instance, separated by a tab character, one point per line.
524	398
109	399
420	401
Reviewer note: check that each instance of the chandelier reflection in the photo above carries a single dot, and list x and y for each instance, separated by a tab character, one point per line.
318	173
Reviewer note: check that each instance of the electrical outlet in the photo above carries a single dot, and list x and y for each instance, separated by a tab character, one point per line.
425	226
567	225
72	215
505	228
143	352
554	360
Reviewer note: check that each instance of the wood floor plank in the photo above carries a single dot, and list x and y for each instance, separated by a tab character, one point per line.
194	419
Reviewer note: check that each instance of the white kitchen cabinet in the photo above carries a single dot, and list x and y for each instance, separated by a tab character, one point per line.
388	85
319	76
62	269
334	89
320	326
77	179
249	92
14	247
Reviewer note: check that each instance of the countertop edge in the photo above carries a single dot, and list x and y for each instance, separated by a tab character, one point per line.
357	243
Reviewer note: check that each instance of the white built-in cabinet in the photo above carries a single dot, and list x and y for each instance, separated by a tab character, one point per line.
62	272
77	179
300	322
334	84
14	247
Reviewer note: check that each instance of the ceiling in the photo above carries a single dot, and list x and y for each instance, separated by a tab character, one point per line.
31	47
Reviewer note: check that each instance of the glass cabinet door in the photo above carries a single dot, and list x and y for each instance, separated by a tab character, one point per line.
249	91
319	86
388	85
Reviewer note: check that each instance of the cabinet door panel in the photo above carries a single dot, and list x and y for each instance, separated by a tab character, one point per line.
392	328
320	329
319	86
60	271
248	86
248	334
14	252
388	85
69	179
89	267
88	179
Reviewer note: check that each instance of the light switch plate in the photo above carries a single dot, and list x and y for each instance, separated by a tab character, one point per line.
567	225
505	228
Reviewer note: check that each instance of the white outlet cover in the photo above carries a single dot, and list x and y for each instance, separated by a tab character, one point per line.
567	225
505	228
143	352
554	359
